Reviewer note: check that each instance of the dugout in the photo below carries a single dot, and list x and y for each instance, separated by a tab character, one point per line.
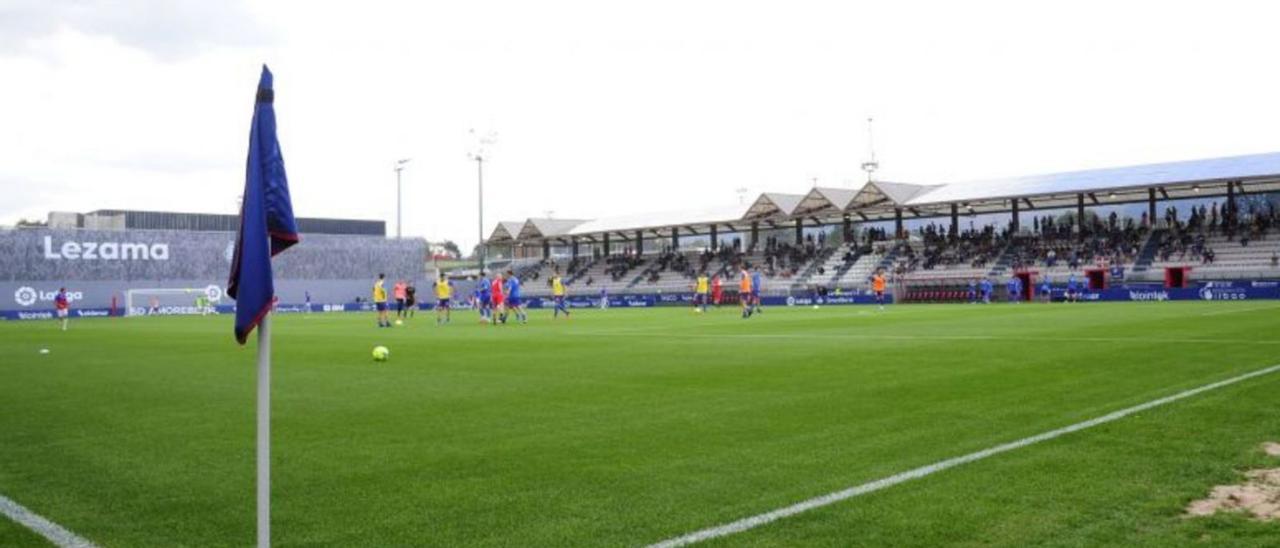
1177	276
1097	278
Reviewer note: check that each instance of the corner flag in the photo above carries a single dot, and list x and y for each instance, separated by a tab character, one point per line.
266	228
266	217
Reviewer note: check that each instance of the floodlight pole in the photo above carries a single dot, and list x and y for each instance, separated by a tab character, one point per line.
399	167
479	154
483	251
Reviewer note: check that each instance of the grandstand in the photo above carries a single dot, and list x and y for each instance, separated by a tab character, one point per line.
837	237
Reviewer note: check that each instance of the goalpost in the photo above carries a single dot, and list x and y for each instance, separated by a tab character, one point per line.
171	301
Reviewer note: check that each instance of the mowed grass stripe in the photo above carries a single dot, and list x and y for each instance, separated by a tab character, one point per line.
474	435
758	520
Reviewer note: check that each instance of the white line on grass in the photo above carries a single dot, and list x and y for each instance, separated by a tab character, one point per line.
1184	340
1237	310
55	533
883	483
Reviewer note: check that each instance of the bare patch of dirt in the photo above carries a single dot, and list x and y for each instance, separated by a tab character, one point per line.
1258	496
1272	448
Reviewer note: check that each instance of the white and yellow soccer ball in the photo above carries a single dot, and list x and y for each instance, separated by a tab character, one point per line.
381	354
399	322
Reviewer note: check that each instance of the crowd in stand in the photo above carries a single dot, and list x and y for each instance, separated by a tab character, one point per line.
1187	239
1099	242
973	247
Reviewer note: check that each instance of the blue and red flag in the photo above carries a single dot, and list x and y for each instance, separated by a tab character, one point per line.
266	217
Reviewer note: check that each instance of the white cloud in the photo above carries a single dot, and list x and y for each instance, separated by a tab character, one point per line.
168	29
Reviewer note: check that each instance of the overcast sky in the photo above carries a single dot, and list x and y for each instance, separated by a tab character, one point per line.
604	108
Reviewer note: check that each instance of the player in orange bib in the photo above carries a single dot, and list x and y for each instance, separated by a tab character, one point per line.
877	285
744	292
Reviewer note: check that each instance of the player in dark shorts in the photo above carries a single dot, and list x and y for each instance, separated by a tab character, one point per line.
411	298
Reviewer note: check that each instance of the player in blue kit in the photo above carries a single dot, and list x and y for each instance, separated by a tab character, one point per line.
1072	294
483	304
986	291
973	291
513	298
1011	287
1046	289
757	281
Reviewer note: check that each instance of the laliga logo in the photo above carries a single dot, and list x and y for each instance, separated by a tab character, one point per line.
213	292
25	296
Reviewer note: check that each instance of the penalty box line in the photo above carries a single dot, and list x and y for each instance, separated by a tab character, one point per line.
917	473
54	533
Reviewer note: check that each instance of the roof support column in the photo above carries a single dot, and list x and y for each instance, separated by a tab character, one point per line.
897	224
799	232
1151	206
639	243
846	228
1231	200
1013	224
546	249
755	233
715	239
1080	213
675	239
955	222
573	243
606	244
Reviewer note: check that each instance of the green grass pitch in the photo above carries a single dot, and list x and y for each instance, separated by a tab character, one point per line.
627	427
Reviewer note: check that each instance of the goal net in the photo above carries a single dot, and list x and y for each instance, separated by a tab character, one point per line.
169	301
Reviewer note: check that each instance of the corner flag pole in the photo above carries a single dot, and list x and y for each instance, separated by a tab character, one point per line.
264	432
267	227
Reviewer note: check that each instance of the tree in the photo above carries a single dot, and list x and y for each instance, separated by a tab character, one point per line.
452	249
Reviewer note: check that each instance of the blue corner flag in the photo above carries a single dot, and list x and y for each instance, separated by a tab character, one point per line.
266	217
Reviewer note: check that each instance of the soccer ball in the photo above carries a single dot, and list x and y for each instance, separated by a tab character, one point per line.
399	322
381	354
815	307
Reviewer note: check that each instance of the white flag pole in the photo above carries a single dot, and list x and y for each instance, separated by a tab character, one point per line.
264	432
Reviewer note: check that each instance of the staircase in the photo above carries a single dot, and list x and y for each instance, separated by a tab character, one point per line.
1147	255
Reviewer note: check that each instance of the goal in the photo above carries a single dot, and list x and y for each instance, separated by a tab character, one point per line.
171	301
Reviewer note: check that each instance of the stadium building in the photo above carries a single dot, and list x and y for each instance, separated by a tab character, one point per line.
111	260
1194	229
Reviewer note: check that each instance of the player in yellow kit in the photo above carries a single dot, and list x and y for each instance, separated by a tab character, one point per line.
557	295
744	292
444	292
701	290
380	300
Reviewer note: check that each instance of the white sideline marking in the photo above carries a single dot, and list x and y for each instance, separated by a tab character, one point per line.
53	532
917	473
1236	310
630	333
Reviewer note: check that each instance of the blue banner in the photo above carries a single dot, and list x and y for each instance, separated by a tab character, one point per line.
1235	290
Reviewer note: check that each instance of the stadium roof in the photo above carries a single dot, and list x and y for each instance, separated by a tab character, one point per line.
882	200
506	230
547	228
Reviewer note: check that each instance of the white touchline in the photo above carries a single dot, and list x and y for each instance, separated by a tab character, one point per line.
55	533
1239	310
890	337
831	498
